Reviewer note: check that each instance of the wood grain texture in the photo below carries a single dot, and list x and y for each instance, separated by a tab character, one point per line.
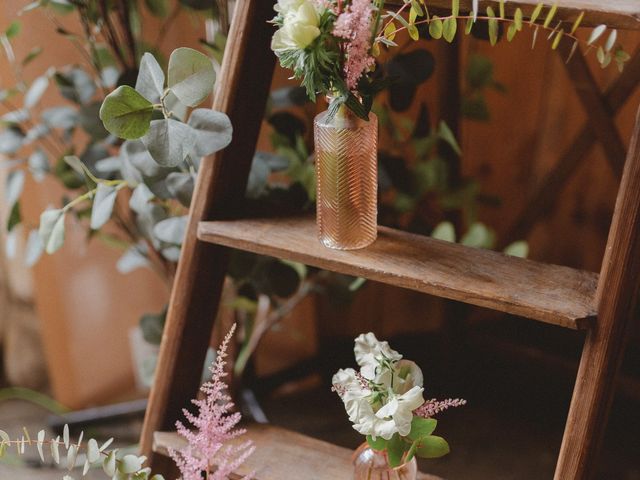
624	14
605	344
552	185
596	107
548	293
284	455
242	94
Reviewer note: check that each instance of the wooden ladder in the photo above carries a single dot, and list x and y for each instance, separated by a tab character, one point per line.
600	304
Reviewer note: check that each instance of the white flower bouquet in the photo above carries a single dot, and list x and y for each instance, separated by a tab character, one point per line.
385	402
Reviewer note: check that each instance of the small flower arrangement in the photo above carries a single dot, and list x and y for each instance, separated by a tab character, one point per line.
332	44
384	401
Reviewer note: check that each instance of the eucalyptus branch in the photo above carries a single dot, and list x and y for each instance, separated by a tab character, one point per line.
127	467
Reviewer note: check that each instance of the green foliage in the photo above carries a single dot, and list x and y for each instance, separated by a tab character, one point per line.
67	452
126	113
191	76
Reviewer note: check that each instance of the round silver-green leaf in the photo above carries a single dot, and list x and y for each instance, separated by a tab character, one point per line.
126	114
169	141
191	76
213	131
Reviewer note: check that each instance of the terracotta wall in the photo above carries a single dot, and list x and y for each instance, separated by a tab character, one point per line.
86	307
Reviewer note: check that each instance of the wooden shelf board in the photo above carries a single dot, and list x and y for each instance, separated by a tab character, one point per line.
548	293
281	454
623	14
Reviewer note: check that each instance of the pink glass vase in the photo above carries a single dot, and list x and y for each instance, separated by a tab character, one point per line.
370	464
347	179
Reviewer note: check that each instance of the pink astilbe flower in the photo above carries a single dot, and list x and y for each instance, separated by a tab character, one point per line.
354	25
432	407
212	429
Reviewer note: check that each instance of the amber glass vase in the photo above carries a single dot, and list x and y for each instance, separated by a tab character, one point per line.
347	179
370	464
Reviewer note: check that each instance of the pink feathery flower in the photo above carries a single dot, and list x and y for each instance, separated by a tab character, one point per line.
432	407
354	25
212	429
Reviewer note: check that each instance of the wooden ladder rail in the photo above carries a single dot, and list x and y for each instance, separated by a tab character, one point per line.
242	93
605	343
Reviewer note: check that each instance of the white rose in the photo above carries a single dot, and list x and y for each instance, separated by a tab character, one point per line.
370	352
285	6
300	26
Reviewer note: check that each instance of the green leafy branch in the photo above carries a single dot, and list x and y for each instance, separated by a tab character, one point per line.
538	20
114	465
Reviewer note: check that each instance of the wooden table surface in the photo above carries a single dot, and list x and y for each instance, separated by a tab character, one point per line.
284	455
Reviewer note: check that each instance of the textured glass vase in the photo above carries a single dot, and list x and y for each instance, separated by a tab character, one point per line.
370	464
347	179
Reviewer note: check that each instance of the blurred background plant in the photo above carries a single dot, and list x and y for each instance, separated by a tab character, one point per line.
146	194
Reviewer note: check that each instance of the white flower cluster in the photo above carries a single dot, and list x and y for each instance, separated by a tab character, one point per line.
381	398
299	27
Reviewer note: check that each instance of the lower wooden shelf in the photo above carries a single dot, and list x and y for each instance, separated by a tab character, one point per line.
283	455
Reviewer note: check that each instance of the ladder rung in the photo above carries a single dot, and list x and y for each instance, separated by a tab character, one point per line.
549	293
282	455
623	14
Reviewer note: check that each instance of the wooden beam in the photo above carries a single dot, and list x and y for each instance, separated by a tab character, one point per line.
550	187
548	293
242	94
598	112
605	344
623	14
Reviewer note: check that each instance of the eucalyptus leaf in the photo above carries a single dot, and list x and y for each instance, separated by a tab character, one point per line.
479	236
169	141
191	76
126	113
11	244
39	165
518	249
17	116
89	119
147	219
33	249
181	185
138	158
213	131
52	230
103	203
14	186
76	85
171	253
171	230
150	82
152	325
140	197
444	231
36	91
11	139
63	118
